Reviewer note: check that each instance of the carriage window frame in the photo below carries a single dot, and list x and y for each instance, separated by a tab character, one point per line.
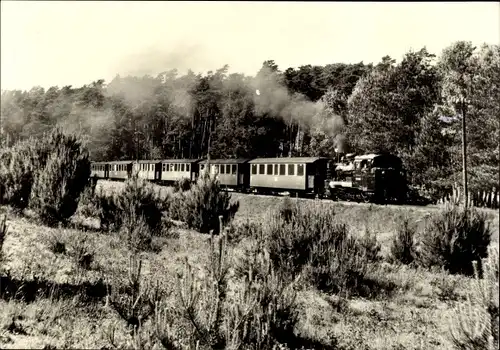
233	169
282	169
188	167
228	169
222	169
262	169
269	169
254	169
182	167
292	168
276	170
300	169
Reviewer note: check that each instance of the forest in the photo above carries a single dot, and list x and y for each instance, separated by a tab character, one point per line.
412	108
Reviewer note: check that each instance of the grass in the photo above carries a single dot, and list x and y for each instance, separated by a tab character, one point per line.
72	312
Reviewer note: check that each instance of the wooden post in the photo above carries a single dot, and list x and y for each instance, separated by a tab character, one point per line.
464	154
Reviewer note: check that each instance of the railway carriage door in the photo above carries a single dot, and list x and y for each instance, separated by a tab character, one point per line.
310	176
158	171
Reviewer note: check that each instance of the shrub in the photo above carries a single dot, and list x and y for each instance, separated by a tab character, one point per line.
311	241
56	191
81	251
201	206
403	245
137	203
455	238
17	173
22	165
261	312
3	233
107	210
182	185
475	325
140	199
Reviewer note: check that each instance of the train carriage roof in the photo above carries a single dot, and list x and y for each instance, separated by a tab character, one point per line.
226	161
120	162
286	160
174	161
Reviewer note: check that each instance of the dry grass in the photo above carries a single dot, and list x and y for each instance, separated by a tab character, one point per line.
415	316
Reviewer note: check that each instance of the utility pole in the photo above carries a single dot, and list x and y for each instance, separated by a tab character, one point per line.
464	154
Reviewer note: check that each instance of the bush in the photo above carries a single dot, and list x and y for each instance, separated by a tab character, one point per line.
182	185
261	312
403	245
475	326
3	233
307	239
138	203
201	206
140	199
107	210
57	187
18	167
455	238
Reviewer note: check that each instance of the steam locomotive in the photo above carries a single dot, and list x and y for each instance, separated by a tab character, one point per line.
372	177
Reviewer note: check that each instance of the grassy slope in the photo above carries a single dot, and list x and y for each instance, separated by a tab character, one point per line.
415	317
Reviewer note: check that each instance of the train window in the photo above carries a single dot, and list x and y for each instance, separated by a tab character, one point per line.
163	167
202	167
276	169
176	167
262	169
182	167
269	169
228	169
222	169
300	169
187	167
233	168
291	169
282	169
254	169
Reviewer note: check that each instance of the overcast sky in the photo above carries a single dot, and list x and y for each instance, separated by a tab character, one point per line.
74	43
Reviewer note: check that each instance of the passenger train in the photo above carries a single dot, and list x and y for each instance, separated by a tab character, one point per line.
371	177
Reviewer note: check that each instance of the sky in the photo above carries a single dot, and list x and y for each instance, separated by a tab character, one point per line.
74	43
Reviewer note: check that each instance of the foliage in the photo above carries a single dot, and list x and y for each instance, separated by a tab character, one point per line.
182	185
3	233
18	168
475	325
61	180
455	238
201	206
403	248
137	205
260	314
307	239
412	108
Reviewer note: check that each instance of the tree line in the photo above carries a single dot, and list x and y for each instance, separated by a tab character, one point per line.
412	108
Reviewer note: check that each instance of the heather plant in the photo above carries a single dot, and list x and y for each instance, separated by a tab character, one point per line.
259	313
308	240
17	173
201	206
56	191
3	233
137	206
403	248
182	185
140	199
455	238
475	324
136	301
